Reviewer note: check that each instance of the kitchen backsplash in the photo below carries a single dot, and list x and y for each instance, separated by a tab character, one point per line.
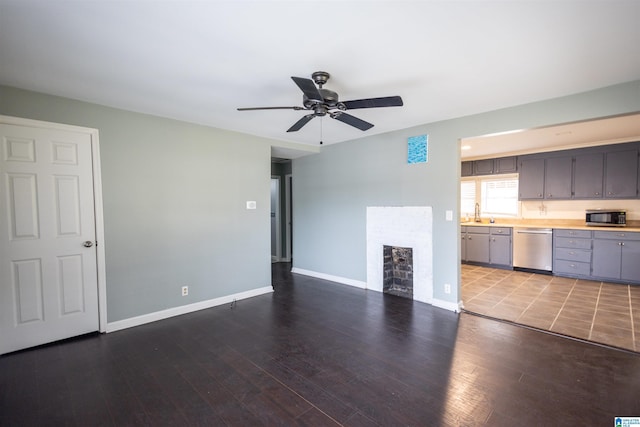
574	209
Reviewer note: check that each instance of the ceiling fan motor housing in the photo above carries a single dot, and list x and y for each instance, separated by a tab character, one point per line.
320	77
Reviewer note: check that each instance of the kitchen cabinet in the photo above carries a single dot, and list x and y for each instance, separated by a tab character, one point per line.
572	252
463	243
531	179
483	167
506	165
477	244
500	246
486	245
616	255
466	169
501	165
621	174
557	177
588	175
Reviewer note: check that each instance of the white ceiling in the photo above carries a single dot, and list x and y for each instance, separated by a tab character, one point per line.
199	60
610	130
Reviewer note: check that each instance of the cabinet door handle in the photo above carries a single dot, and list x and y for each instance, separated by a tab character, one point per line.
597	193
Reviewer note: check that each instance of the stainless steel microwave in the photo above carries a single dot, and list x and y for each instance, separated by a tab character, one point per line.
606	218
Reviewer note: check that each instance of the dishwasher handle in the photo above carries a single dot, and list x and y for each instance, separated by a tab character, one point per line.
542	231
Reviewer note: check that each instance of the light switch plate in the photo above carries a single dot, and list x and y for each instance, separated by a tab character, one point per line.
251	204
449	215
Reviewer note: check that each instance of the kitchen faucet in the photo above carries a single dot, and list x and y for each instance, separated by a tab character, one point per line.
476	216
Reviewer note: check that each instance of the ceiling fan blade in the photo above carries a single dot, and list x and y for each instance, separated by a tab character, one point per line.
353	121
308	88
303	121
388	101
270	108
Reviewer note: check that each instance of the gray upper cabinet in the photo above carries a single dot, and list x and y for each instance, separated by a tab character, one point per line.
531	180
506	165
610	171
557	178
483	167
489	166
588	173
621	174
467	169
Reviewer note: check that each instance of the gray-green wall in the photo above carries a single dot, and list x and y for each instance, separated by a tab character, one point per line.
174	204
332	189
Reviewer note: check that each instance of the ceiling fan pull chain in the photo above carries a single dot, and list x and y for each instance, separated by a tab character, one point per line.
321	121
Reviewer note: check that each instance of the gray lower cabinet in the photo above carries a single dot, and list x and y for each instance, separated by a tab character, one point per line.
616	255
486	245
478	244
572	252
500	247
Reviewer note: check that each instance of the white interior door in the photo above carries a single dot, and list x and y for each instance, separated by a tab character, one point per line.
48	275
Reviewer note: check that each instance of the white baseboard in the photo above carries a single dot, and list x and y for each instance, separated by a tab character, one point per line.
338	279
184	309
451	306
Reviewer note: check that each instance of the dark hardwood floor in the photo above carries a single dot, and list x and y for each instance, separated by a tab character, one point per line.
318	353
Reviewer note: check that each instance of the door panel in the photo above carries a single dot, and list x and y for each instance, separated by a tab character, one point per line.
27	285
48	279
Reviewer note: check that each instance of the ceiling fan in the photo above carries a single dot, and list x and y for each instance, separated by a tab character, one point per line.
323	101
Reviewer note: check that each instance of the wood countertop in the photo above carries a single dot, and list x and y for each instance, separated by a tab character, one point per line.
550	223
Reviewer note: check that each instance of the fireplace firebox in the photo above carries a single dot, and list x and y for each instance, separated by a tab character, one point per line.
398	271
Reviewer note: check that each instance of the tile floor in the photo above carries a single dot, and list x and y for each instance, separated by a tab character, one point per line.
607	313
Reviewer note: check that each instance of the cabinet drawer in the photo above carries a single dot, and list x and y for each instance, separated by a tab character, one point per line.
477	230
572	267
504	231
617	235
584	234
570	242
568	254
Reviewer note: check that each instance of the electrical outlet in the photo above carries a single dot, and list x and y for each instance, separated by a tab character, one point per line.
447	288
185	291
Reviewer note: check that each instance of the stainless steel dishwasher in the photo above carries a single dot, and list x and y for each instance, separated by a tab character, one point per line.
533	248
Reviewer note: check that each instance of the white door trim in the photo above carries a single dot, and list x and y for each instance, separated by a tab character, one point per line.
278	256
288	178
97	194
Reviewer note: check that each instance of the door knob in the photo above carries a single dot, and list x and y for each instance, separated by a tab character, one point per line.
87	244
